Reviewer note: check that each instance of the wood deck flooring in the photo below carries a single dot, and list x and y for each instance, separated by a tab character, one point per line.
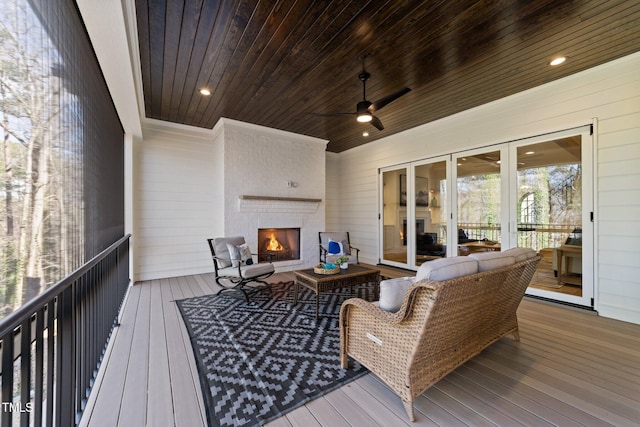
571	368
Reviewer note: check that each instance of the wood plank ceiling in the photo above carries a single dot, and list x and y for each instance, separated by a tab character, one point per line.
281	63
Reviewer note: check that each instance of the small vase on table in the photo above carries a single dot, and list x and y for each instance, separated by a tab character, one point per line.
344	262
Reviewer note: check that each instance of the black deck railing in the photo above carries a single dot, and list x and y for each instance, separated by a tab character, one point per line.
53	345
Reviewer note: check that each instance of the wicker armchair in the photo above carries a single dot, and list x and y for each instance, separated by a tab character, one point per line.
439	326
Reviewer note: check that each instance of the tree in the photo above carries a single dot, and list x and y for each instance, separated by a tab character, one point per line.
29	117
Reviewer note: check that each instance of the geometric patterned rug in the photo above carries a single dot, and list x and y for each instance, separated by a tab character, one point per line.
262	359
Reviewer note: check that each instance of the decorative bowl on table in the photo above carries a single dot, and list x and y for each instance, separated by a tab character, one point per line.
326	268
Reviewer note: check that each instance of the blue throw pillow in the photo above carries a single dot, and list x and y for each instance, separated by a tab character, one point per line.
334	247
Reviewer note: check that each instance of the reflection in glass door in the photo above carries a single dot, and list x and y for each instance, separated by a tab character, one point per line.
394	248
430	211
552	203
479	202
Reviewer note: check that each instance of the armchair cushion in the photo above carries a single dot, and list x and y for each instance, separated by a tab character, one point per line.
447	268
334	259
221	250
392	292
247	271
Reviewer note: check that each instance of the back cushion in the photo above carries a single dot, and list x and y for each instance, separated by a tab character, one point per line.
447	268
392	292
520	254
491	260
341	237
222	250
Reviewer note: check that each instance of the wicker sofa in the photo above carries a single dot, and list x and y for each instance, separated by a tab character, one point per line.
439	324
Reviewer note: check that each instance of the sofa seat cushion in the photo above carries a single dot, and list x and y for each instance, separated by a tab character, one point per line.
447	268
492	260
392	292
521	254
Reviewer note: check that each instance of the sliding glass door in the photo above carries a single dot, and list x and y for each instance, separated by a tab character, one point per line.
551	204
536	192
414	212
430	211
393	215
480	178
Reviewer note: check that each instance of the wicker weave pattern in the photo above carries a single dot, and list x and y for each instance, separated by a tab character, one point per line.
440	326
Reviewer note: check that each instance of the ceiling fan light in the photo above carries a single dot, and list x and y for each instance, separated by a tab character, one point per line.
364	118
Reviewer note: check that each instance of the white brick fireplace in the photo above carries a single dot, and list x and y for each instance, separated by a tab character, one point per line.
269	179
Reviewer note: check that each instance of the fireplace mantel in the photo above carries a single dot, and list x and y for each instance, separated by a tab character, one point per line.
279	198
277	204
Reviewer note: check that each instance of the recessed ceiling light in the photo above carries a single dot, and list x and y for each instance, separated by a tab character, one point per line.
204	91
557	61
365	133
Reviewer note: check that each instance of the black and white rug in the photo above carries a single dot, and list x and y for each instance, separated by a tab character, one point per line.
262	359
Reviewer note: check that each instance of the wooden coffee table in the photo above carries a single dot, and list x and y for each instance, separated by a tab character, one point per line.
354	275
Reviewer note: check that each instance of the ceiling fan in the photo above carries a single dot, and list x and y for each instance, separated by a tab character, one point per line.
365	109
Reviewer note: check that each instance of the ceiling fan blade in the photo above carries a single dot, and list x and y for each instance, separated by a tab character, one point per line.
388	99
377	123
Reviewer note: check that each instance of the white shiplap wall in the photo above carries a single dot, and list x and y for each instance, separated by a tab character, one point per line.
610	94
176	168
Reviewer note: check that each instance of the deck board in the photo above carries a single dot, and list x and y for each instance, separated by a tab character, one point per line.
137	377
188	403
159	403
103	406
570	368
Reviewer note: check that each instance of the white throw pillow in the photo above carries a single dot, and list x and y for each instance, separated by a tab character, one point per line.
492	260
239	254
245	253
392	292
447	268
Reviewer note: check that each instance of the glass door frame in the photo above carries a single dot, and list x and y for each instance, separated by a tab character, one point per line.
588	243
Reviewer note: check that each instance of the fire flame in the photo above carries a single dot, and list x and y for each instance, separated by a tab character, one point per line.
274	245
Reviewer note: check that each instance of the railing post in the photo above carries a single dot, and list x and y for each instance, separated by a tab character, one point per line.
39	372
25	372
65	349
7	378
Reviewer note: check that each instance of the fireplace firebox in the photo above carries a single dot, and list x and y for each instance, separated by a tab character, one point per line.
278	244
